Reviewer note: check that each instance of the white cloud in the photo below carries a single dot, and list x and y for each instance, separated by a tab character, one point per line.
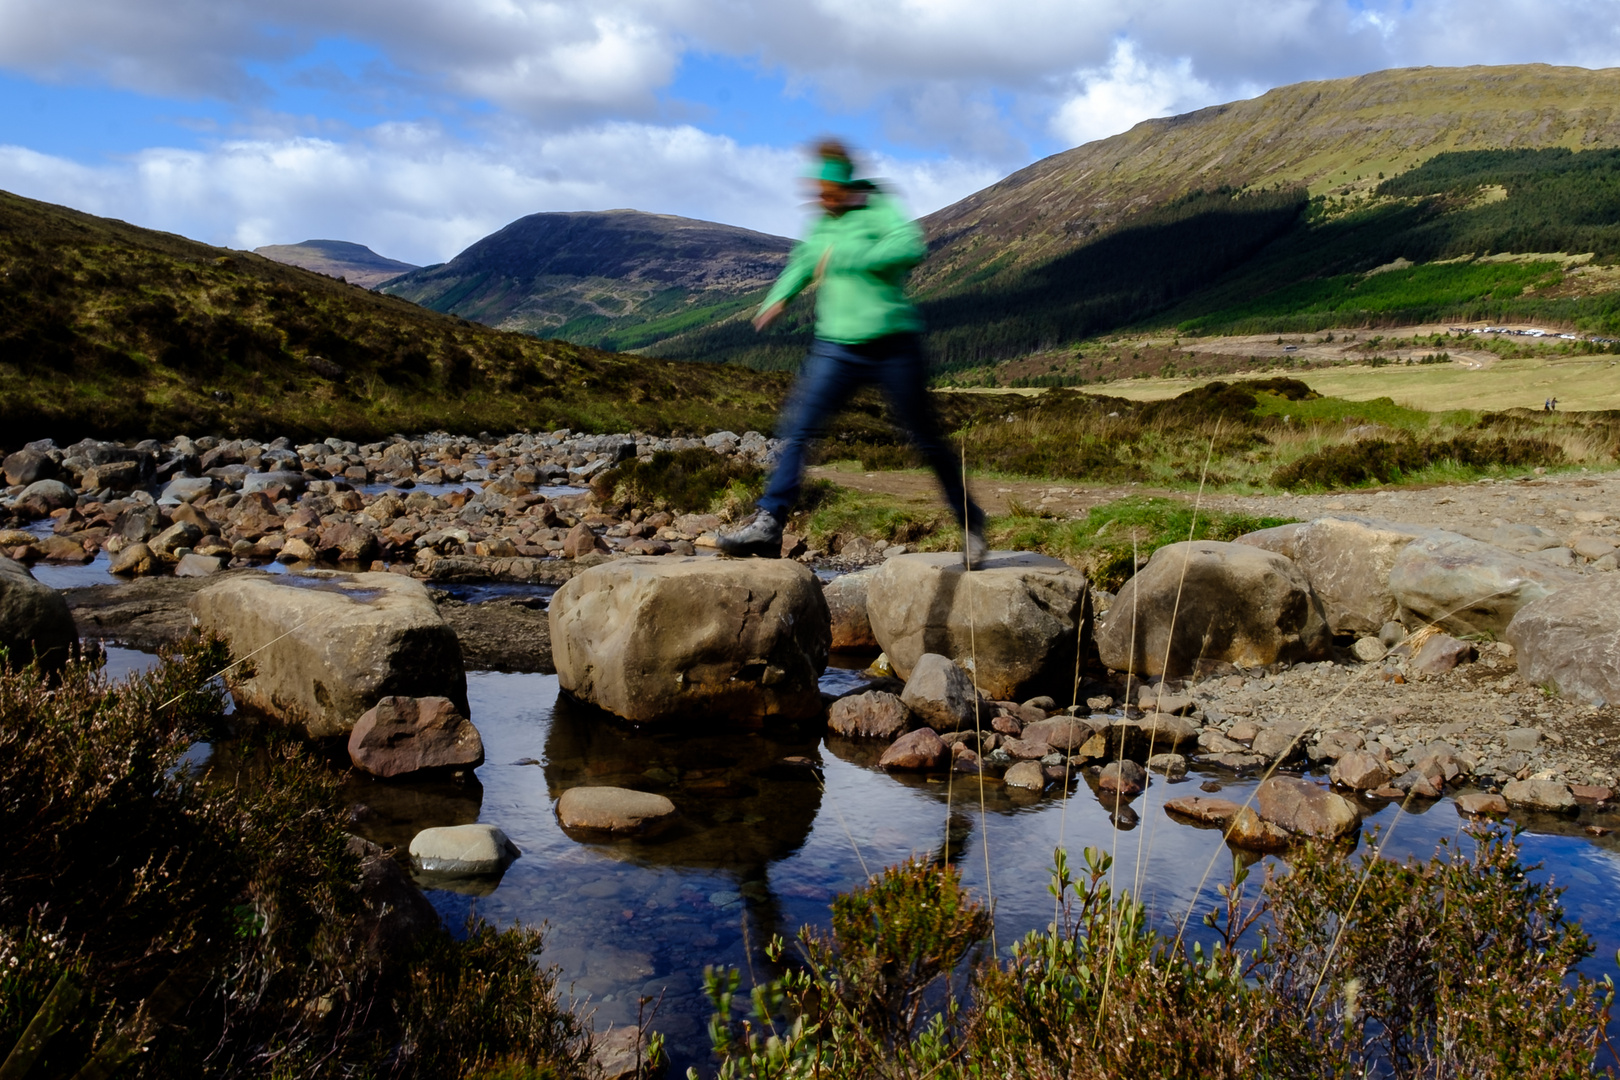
1125	92
575	86
565	62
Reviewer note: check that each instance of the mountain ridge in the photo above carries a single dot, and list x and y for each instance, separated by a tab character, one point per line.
341	259
112	330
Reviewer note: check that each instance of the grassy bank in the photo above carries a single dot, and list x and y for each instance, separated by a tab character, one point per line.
1251	436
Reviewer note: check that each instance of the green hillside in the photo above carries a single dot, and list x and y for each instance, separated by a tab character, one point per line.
110	329
1266	213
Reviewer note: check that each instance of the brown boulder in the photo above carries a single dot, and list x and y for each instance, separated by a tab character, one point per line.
581	541
403	735
1122	777
1303	809
1203	809
872	715
1248	829
1359	771
343	542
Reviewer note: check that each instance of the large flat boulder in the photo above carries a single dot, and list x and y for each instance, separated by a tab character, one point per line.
1347	559
325	646
1207	600
1570	641
35	622
1467	587
1015	620
661	638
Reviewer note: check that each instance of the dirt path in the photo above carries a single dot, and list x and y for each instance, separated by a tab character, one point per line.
1568	504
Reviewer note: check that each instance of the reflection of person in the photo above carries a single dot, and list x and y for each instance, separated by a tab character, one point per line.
858	253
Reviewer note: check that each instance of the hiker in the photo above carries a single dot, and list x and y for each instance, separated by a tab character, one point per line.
858	252
1546	405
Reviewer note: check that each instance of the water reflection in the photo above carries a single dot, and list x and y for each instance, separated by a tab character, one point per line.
390	812
746	798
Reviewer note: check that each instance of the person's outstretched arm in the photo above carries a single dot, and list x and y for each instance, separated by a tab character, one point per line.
794	278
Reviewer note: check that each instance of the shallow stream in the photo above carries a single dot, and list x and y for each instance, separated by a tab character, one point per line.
764	842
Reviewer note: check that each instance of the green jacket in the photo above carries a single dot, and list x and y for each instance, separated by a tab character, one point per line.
862	293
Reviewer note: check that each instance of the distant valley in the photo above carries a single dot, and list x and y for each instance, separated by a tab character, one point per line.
618	279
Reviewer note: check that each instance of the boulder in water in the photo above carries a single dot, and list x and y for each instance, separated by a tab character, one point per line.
872	715
846	604
463	849
327	646
658	638
35	622
403	735
613	809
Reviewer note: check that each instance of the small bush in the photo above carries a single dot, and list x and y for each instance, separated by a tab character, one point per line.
681	481
1385	461
1459	967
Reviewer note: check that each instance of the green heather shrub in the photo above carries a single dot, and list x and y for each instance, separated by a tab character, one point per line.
1386	460
1460	967
159	922
682	481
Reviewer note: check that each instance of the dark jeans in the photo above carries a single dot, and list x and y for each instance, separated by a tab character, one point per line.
830	376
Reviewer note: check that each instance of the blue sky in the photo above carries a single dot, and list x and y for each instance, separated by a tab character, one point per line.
417	126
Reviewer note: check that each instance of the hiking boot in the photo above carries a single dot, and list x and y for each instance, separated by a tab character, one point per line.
974	549
761	536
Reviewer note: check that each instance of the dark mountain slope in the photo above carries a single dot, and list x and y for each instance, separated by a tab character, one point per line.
615	279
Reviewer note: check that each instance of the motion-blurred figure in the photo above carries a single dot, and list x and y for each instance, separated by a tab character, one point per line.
858	252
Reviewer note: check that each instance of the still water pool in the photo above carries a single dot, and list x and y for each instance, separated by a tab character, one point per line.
765	842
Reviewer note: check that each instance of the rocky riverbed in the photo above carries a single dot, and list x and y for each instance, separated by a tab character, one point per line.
459	512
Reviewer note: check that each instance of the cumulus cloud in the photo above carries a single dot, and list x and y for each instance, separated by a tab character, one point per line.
1126	91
